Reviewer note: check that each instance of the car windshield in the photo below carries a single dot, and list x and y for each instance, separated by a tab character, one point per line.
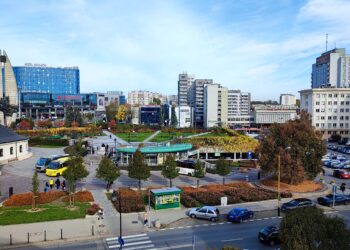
267	230
293	202
236	211
53	165
42	161
330	196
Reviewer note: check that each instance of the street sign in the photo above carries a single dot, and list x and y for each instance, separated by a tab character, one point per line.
250	155
121	241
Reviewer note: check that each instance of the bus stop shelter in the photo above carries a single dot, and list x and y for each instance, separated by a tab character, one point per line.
165	198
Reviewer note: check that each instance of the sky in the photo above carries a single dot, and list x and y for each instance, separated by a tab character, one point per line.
262	47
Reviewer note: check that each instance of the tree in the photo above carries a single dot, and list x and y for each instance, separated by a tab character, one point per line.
199	171
107	171
299	146
112	110
138	169
35	188
156	101
169	169
309	228
76	171
24	125
161	116
173	117
7	108
73	117
121	114
222	169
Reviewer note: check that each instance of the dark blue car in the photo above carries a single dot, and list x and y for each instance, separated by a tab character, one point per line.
239	214
339	199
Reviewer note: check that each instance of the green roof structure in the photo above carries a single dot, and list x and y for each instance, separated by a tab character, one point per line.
154	150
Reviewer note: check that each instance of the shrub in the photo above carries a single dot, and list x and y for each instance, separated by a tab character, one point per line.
47	141
131	201
239	185
188	201
92	209
208	198
81	196
25	199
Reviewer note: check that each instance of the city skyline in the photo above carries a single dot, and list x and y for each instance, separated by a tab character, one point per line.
244	45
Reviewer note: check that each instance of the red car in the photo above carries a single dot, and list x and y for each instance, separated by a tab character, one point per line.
341	174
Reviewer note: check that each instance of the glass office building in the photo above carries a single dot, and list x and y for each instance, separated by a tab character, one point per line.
150	115
42	79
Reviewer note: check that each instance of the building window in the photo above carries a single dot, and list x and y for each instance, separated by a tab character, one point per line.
334	125
334	118
1	152
20	148
342	103
329	95
341	110
335	103
342	95
322	117
335	95
11	150
317	103
329	103
317	110
329	118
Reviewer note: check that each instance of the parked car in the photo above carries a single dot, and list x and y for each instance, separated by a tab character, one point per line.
341	158
42	164
339	199
342	174
327	163
269	235
297	203
338	165
239	214
206	212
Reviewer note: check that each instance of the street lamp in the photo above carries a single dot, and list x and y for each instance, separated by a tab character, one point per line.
114	198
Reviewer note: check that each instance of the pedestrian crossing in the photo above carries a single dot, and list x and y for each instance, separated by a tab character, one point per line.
131	242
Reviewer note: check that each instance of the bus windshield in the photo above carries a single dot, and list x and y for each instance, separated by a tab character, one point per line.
54	165
42	161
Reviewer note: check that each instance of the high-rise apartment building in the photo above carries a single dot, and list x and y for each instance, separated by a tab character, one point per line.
329	109
238	108
332	69
141	97
215	105
288	100
183	88
196	93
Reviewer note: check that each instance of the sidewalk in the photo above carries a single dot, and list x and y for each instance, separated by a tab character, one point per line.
151	136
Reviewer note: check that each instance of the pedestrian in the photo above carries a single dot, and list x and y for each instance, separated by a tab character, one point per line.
51	183
63	185
46	189
259	175
145	219
110	136
100	213
58	183
342	187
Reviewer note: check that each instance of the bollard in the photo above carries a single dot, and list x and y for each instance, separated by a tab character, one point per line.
10	239
61	234
27	237
92	230
44	235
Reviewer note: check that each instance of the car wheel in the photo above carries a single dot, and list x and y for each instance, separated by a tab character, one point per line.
272	243
240	220
193	216
346	202
212	219
251	216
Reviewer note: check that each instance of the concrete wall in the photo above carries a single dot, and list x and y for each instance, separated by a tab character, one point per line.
19	151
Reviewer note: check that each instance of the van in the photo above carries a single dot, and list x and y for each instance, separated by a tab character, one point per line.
57	167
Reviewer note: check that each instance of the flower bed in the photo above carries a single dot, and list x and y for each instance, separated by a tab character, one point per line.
131	201
92	209
81	196
26	199
236	192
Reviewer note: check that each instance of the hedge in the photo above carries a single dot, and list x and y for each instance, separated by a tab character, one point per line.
92	209
81	196
33	141
26	199
131	201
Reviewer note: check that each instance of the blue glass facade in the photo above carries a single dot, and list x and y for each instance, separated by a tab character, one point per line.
48	80
122	100
150	115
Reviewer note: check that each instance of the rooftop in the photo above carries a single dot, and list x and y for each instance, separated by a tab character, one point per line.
7	135
162	149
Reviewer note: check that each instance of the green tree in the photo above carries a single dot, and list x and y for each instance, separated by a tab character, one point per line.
35	188
199	171
222	168
173	117
107	171
309	228
76	171
299	146
138	169
156	101
112	110
6	108
72	116
122	112
161	116
169	169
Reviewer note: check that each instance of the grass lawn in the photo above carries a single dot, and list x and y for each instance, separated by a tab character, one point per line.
135	136
47	212
164	136
47	146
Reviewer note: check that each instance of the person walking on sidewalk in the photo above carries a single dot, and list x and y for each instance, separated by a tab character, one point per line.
46	189
145	219
63	185
58	184
51	183
100	213
342	187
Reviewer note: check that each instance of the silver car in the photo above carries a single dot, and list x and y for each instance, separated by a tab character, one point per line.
206	212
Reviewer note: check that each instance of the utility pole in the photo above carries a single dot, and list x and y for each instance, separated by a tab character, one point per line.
279	185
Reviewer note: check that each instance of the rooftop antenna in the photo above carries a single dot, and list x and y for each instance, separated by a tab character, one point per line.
326	42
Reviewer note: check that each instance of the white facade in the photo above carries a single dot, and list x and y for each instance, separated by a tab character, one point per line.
288	100
184	116
332	69
135	114
329	109
14	151
269	114
215	105
183	87
238	108
140	98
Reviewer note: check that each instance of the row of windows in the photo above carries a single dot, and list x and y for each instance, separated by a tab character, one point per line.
333	95
332	125
335	132
11	150
323	110
333	103
332	117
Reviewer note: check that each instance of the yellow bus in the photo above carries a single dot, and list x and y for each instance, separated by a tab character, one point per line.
57	167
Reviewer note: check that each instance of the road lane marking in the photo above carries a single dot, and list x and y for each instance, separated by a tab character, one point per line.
232	240
127	237
133	243
174	247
